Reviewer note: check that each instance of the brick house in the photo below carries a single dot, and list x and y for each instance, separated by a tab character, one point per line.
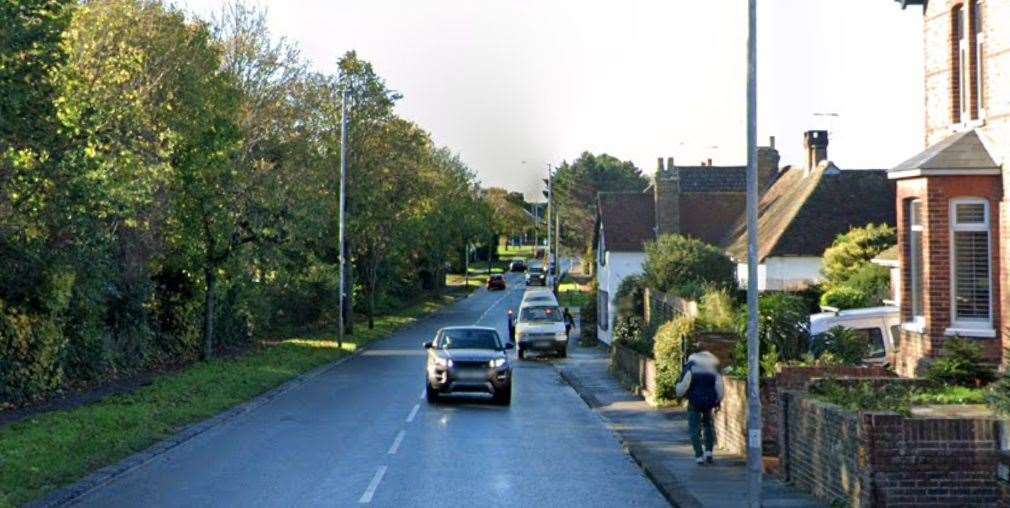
702	201
951	208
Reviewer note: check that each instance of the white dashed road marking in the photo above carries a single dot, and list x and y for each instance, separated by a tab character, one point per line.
396	442
370	491
413	413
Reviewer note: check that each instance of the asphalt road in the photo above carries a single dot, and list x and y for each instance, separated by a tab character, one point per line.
362	433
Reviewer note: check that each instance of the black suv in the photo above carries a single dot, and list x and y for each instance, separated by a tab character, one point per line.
468	359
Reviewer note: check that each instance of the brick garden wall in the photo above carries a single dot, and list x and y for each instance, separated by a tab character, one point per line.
731	421
635	371
885	459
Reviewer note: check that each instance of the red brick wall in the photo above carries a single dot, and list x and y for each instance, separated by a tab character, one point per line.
916	349
940	81
885	459
731	420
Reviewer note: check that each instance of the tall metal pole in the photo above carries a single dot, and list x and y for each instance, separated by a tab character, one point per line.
557	240
340	235
754	462
550	213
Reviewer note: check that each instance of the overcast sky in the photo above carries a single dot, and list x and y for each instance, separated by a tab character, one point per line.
503	82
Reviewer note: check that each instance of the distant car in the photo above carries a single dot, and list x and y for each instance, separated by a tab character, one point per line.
496	281
535	276
468	359
880	325
517	265
540	327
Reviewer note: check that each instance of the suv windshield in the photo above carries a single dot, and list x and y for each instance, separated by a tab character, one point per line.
468	338
536	269
549	314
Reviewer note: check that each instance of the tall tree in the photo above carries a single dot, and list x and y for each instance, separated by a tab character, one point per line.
576	186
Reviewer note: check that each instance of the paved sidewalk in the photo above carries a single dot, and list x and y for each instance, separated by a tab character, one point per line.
658	440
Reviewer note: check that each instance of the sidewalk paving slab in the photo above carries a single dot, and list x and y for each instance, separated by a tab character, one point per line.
657	439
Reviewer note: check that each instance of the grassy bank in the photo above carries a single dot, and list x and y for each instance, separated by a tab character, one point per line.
47	451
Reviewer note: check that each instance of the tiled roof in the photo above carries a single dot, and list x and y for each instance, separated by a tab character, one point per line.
801	214
628	218
960	152
707	216
713	178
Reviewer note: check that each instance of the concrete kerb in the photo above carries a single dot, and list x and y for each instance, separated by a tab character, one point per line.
665	481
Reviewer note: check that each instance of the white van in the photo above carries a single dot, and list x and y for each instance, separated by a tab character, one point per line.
540	326
543	296
880	325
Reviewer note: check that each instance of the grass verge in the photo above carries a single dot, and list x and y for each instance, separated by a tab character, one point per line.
45	452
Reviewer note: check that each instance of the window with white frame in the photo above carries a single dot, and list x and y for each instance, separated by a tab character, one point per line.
971	266
976	14
960	64
915	257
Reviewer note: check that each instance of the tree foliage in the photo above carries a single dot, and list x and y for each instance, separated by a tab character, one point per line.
168	188
576	186
686	266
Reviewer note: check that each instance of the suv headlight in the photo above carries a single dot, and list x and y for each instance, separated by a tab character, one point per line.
560	336
497	362
443	362
520	336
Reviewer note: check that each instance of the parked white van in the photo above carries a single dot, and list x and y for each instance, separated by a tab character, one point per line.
880	325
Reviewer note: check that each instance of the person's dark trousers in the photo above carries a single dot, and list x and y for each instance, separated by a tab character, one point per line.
699	425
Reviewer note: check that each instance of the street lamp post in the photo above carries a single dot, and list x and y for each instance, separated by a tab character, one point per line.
341	214
754	462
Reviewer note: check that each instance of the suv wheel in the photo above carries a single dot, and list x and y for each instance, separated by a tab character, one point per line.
430	393
563	352
521	353
504	397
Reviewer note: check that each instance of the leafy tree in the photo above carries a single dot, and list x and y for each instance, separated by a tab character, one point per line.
676	263
854	249
576	186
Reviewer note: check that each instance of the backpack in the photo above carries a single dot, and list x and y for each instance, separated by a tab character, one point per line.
702	394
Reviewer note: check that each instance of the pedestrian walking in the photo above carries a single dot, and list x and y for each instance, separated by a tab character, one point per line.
702	385
569	323
512	325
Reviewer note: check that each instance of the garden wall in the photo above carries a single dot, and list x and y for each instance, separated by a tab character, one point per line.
886	459
731	421
634	370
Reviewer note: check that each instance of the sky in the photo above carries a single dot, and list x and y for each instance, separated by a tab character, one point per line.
513	86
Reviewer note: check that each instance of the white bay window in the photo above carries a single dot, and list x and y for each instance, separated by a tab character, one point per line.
971	268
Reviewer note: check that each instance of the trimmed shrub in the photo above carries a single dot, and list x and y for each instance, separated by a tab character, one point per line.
961	364
845	297
670	346
852	250
685	266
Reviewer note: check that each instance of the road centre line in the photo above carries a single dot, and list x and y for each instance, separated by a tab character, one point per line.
396	442
413	413
374	484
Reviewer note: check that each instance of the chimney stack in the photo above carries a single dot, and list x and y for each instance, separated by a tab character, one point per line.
659	166
666	189
709	161
816	145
